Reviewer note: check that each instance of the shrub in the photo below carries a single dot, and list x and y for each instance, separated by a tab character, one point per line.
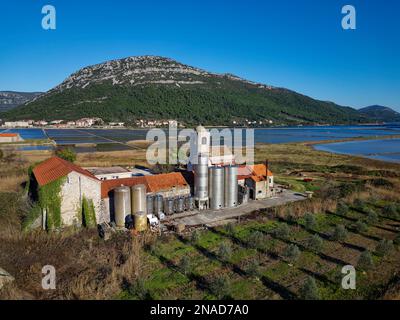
359	203
397	239
361	226
342	208
315	243
380	182
195	236
230	229
365	261
340	233
220	287
390	210
252	268
256	239
282	231
67	154
184	265
225	250
309	291
372	217
139	290
292	253
309	221
384	247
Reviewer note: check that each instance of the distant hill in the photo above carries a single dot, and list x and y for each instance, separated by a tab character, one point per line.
151	87
12	99
380	113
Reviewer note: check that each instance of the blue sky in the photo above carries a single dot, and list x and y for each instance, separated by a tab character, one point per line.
298	44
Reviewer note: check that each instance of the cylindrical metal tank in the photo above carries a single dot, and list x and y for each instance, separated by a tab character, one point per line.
180	205
217	193
140	221
189	204
201	178
169	206
231	186
138	198
150	204
158	203
122	205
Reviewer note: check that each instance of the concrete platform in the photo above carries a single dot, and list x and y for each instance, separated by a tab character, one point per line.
211	217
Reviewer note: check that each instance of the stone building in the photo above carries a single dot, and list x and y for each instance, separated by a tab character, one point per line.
10	137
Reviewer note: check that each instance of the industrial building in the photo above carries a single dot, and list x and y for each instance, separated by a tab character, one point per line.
129	198
10	137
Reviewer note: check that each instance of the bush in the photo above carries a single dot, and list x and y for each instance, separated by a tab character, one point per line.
195	236
282	231
359	203
309	291
220	287
372	217
139	290
292	253
184	265
340	233
380	182
315	243
397	239
361	226
365	261
225	250
256	239
252	268
342	208
67	154
309	221
384	247
230	229
390	210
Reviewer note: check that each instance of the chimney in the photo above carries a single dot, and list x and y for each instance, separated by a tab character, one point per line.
266	167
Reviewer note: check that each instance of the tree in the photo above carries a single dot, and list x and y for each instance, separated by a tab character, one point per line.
372	217
225	250
365	261
67	154
221	287
359	203
184	264
292	253
340	233
309	290
315	243
361	226
342	208
309	221
384	247
253	267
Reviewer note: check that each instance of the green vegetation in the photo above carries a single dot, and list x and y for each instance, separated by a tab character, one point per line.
340	233
315	243
88	213
384	247
50	200
292	253
67	154
309	221
342	208
365	261
309	291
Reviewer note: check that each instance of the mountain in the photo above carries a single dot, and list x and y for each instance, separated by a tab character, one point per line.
11	99
380	113
151	87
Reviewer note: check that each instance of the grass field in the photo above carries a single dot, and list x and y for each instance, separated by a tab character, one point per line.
246	260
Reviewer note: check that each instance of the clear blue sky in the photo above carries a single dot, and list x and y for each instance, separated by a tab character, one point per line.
297	44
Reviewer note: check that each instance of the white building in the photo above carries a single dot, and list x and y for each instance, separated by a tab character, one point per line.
17	124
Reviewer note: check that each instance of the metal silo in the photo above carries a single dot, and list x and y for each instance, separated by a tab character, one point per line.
158	203
201	181
140	221
150	204
180	205
189	204
169	206
122	205
217	193
138	198
231	186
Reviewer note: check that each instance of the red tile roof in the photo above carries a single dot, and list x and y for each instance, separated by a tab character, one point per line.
156	183
55	168
9	135
256	172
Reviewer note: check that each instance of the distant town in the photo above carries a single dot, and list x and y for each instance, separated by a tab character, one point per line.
98	122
